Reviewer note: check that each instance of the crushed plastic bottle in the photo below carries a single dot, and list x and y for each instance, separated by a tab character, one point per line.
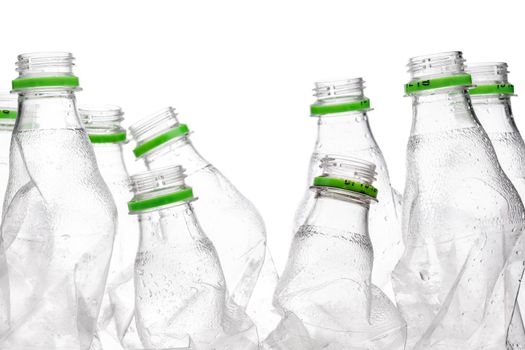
59	217
343	129
327	280
181	292
8	108
457	282
103	125
228	218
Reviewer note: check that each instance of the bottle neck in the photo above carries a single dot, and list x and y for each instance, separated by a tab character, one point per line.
175	225
110	160
177	151
337	132
494	113
442	111
49	108
345	213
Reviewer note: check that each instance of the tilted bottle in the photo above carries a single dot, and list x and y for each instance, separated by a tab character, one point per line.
457	281
343	129
8	108
59	216
229	219
103	125
181	293
327	279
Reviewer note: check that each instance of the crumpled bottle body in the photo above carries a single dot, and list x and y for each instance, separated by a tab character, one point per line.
181	294
238	234
458	279
58	227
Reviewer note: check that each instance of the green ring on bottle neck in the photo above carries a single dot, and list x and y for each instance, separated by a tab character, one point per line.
340	108
437	83
498	89
178	131
344	184
145	204
32	82
8	114
108	138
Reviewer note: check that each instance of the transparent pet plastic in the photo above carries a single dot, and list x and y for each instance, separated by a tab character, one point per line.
102	123
457	282
327	280
59	217
348	134
229	219
181	292
8	108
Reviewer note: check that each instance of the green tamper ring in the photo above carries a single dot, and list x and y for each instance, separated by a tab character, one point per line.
344	184
185	194
437	83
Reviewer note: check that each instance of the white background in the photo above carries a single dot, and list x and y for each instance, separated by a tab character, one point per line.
240	73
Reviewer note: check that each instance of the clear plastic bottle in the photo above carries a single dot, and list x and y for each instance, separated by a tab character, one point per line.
228	218
59	217
8	108
181	293
343	129
457	282
327	279
103	125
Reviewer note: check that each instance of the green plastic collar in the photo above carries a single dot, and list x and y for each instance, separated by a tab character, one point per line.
349	185
108	138
453	80
185	194
24	83
7	114
180	130
340	108
499	89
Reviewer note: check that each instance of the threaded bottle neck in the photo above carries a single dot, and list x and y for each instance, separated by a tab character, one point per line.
486	73
41	64
103	123
339	96
437	65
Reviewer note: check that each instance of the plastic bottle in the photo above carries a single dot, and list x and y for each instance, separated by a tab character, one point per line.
59	217
8	108
181	293
343	129
327	279
229	219
458	279
103	125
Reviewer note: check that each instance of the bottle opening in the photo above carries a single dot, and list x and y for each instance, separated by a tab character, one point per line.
436	65
159	187
490	78
156	129
345	173
45	69
339	96
103	123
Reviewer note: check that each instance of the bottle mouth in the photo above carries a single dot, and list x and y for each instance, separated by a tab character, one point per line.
339	96
156	129
490	78
159	187
45	69
347	173
102	123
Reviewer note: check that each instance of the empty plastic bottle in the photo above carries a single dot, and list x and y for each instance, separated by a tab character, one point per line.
8	108
181	293
343	129
457	281
228	218
491	102
103	125
59	216
327	279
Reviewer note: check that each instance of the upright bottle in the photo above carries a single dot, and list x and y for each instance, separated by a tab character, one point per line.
458	279
103	125
343	129
181	293
327	279
8	102
59	216
228	218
